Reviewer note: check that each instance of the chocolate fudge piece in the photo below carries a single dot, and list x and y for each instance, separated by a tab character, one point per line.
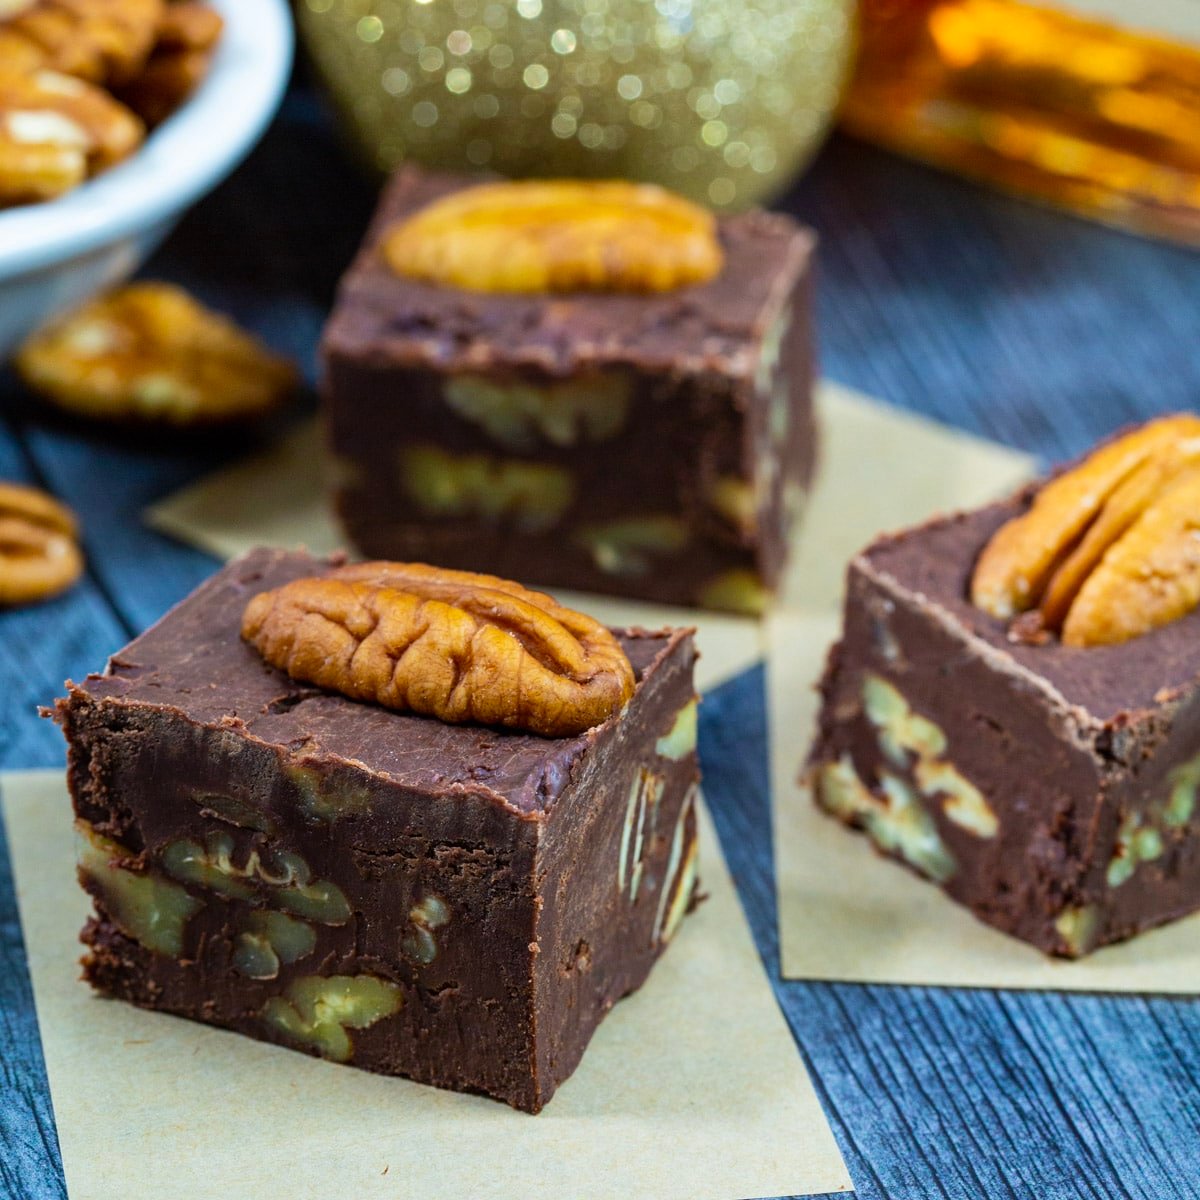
653	445
1050	789
452	903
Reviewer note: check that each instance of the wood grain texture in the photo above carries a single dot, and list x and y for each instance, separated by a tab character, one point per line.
989	314
30	1165
1013	321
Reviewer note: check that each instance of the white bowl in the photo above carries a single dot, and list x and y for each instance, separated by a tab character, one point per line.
57	254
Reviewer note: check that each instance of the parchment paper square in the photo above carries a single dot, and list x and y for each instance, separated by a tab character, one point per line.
846	913
692	1088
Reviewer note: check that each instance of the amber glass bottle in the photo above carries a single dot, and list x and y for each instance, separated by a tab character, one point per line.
1096	108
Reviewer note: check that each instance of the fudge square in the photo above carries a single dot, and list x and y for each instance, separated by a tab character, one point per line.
1042	770
456	904
648	444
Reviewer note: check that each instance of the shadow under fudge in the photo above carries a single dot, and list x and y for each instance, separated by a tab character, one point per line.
507	889
660	447
1086	760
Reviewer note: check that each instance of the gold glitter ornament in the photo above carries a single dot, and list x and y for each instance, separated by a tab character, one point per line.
720	100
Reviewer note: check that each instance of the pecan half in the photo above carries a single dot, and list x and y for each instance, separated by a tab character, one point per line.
187	39
150	352
1108	550
55	130
39	556
169	78
80	80
189	25
558	236
18	53
102	41
448	644
40	170
1149	577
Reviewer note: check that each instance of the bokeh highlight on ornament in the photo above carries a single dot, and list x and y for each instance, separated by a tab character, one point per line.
721	100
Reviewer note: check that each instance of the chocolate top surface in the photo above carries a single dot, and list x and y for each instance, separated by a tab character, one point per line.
195	661
936	560
715	326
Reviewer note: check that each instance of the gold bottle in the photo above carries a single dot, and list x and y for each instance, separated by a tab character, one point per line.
1076	108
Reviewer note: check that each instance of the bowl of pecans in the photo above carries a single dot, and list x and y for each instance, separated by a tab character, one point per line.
115	116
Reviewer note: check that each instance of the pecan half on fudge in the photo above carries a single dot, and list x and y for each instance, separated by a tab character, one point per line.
588	385
1014	708
295	823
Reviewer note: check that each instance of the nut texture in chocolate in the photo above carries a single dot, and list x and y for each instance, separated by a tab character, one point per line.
647	445
457	904
1049	789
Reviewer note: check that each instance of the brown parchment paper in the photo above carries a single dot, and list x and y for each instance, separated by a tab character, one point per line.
692	1088
846	913
278	498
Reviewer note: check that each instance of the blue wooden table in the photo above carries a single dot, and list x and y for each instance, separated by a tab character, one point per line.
986	313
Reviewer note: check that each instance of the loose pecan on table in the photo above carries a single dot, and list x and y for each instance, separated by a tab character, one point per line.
39	553
149	352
